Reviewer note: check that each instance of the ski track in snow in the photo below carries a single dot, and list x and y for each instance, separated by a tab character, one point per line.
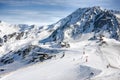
72	64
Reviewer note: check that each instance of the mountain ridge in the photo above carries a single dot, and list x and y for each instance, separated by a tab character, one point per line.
87	20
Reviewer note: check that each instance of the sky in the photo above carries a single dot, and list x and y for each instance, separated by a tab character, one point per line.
45	12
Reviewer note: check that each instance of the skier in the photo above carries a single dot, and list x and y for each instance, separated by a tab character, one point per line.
86	59
63	55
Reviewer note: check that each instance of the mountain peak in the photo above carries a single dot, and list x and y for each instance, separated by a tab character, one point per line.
94	7
94	21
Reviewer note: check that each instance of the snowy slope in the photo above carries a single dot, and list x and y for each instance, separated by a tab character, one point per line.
73	65
15	36
4	29
83	46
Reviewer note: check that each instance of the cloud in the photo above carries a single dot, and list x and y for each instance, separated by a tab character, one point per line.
33	16
46	11
47	2
61	3
37	14
50	2
31	2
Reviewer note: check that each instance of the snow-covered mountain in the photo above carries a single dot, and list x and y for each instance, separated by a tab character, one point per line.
86	21
15	33
82	46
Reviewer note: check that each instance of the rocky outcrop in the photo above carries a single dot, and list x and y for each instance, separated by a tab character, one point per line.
28	54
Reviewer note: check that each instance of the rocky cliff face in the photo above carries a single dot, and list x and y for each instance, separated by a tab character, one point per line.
94	21
28	54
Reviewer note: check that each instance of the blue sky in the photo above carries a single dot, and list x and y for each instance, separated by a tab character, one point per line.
42	12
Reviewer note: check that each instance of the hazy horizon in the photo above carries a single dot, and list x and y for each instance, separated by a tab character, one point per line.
46	12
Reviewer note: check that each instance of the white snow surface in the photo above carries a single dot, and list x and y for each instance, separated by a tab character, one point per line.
84	60
73	66
6	28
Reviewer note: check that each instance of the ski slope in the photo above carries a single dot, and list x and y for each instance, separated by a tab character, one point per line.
84	60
